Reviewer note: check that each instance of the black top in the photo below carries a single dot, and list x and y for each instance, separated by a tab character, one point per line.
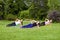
34	24
42	24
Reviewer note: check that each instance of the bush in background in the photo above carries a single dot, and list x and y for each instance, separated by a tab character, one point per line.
11	17
24	14
54	15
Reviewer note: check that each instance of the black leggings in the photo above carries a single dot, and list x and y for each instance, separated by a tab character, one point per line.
12	24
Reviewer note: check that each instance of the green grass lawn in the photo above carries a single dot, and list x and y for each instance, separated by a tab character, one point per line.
49	32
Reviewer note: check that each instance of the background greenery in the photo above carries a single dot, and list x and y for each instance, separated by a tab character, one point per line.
27	9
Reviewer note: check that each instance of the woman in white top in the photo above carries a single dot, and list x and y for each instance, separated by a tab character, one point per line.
16	22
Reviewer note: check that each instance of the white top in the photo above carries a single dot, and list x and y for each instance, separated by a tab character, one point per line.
47	22
17	22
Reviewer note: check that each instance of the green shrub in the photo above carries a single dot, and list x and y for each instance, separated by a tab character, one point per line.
11	17
1	13
24	14
1	17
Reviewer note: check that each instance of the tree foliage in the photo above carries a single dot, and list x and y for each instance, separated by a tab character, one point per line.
39	10
12	7
54	4
34	9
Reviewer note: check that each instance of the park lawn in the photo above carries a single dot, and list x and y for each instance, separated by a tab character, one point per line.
48	32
